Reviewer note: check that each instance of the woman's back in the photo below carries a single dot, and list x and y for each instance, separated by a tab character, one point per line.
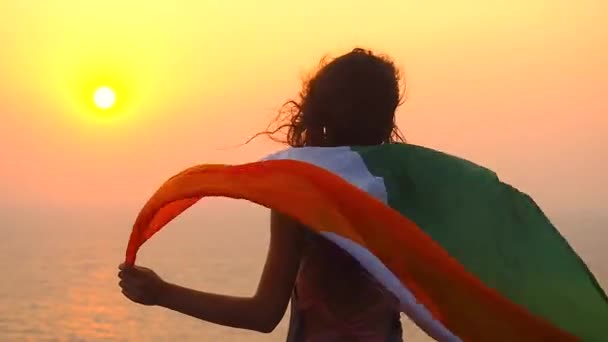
349	101
336	300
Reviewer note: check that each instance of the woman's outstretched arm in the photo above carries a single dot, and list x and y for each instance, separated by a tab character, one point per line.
261	312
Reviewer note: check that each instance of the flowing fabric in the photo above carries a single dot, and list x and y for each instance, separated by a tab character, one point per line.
469	257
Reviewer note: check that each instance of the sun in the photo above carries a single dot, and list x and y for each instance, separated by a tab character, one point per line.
104	97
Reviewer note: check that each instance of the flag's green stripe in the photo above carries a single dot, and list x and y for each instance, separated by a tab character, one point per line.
496	232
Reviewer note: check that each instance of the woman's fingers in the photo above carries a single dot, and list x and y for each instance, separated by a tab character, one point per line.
131	296
131	290
127	275
124	266
127	285
132	275
132	283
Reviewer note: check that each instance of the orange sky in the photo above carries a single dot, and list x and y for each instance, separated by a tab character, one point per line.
519	86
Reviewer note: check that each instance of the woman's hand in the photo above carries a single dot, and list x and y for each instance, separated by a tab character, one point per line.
141	284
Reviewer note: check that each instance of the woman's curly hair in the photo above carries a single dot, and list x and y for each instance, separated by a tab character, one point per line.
350	100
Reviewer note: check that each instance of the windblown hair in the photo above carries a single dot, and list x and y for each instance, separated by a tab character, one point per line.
350	100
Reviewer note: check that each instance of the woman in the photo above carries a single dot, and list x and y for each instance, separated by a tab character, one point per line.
349	101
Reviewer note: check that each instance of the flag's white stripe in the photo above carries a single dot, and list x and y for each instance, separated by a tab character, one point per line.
349	165
418	313
341	161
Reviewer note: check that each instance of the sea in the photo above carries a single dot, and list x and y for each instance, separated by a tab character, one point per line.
59	272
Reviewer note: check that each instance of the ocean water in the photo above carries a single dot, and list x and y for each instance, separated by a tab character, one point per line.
59	274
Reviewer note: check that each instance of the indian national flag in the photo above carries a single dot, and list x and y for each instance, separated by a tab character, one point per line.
469	257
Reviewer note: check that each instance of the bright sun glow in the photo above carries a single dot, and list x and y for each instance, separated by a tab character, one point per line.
104	97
